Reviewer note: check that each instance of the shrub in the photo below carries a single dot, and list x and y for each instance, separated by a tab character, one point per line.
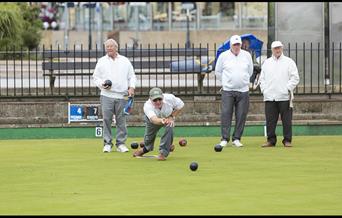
20	26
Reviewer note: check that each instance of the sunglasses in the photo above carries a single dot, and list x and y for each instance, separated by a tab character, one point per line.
157	99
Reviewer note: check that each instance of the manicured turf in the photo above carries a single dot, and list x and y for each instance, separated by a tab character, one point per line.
73	176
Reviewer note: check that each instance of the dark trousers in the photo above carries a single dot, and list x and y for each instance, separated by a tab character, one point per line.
272	111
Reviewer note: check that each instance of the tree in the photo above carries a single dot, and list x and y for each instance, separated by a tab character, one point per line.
31	34
20	26
10	25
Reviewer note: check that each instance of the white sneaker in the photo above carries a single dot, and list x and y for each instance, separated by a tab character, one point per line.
223	143
237	143
107	148
122	148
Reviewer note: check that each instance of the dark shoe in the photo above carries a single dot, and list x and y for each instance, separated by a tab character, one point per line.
161	157
172	148
268	144
287	144
138	153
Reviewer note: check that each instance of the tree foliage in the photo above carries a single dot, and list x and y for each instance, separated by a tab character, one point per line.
20	26
10	25
31	34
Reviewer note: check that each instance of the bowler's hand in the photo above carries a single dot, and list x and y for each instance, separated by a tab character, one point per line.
170	122
104	86
250	86
130	91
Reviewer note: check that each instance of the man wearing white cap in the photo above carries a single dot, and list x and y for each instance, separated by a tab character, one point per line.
234	68
279	77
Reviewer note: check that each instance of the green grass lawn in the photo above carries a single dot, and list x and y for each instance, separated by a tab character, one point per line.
73	176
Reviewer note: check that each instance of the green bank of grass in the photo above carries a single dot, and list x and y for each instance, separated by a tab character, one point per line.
188	131
73	176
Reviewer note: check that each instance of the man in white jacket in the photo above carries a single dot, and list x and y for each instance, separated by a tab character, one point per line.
119	71
234	68
279	77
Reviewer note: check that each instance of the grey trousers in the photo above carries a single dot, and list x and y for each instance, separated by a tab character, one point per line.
240	102
109	107
151	131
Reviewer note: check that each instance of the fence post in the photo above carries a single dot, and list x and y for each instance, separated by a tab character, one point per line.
327	49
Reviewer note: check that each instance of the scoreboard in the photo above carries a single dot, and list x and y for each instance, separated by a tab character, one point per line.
83	112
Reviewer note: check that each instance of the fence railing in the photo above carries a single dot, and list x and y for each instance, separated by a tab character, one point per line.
176	69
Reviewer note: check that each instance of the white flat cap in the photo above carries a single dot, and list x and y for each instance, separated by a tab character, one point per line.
276	44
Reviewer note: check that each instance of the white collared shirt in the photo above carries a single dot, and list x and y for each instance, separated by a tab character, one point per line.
119	70
234	71
170	103
278	77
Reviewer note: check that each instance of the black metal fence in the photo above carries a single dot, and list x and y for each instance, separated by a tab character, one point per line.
182	71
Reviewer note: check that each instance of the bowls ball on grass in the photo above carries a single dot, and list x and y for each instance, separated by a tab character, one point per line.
134	145
182	142
193	166
218	148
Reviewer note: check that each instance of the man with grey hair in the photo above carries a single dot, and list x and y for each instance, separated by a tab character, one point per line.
234	68
160	111
115	77
279	76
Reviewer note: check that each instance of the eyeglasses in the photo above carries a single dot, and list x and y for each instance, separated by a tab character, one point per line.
157	99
